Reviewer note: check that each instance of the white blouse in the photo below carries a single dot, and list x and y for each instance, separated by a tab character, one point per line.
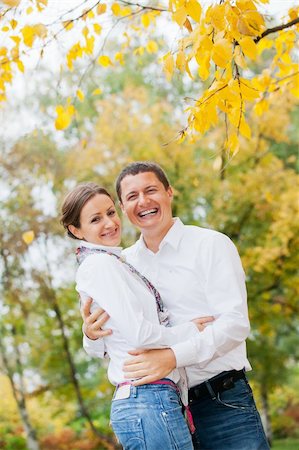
131	307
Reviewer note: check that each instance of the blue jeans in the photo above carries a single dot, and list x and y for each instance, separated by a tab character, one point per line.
229	422
151	419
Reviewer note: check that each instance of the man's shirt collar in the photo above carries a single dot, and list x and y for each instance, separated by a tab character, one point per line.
172	238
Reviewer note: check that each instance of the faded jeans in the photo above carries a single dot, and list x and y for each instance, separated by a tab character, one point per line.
151	419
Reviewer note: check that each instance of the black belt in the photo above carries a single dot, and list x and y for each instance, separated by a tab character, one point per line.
210	388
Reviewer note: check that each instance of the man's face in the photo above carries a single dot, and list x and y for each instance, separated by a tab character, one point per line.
146	202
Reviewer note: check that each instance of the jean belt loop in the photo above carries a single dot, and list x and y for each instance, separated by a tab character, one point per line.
133	391
210	389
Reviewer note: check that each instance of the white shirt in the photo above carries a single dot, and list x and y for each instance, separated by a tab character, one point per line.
198	272
131	307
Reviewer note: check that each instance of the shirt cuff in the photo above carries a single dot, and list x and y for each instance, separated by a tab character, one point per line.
95	348
185	353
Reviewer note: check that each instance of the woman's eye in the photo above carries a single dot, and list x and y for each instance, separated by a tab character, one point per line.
111	213
95	219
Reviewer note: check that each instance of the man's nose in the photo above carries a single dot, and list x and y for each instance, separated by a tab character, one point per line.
142	199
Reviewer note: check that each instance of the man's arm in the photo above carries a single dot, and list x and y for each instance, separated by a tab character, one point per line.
152	365
226	294
93	343
93	321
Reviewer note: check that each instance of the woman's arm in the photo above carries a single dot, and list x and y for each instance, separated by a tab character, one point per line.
103	279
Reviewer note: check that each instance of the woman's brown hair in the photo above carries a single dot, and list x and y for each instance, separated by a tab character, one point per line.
74	202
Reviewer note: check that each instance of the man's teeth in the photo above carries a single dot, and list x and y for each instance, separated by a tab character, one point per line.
148	212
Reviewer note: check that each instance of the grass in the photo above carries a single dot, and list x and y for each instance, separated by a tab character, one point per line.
286	444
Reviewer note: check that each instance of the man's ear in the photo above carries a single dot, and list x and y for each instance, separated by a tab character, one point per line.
75	231
170	192
122	207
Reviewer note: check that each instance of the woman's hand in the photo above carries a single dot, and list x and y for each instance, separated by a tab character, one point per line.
202	322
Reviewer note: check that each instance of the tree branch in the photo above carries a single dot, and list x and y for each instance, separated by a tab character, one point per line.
278	28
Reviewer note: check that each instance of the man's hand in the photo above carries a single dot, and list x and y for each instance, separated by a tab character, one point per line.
202	322
149	365
92	322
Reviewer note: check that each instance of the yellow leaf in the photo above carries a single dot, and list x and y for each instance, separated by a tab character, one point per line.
188	25
293	13
239	57
104	61
28	33
97	28
180	16
116	9
181	61
97	91
232	144
29	10
264	44
120	58
40	30
152	47
251	23
249	48
5	29
248	92
68	24
80	95
168	66
145	20
20	66
11	3
204	68
64	116
216	16
261	107
222	52
244	128
101	8
13	23
193	9
28	237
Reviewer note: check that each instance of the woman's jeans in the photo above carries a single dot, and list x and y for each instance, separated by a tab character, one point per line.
151	419
229	422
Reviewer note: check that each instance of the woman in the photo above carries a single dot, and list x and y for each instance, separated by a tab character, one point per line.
148	416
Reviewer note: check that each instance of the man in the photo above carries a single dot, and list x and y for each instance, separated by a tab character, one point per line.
197	272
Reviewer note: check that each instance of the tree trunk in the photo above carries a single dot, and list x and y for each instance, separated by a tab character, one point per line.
19	395
265	415
107	441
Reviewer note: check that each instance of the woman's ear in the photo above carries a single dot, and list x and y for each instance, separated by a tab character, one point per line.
75	231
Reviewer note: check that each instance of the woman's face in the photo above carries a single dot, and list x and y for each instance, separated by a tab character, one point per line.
99	222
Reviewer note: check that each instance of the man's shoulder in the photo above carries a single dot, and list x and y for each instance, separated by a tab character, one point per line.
201	233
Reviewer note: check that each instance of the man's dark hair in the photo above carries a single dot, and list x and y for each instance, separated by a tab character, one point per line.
141	167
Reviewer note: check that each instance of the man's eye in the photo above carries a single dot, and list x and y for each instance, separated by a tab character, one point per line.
131	197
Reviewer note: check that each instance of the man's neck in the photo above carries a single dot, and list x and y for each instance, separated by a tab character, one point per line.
153	239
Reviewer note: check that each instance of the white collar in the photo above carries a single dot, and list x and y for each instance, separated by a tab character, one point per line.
172	237
115	250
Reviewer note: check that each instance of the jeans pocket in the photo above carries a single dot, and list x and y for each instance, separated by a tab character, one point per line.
129	433
239	397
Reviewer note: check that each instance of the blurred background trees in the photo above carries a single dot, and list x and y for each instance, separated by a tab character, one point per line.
52	395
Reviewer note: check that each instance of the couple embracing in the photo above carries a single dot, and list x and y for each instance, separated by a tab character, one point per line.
170	312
